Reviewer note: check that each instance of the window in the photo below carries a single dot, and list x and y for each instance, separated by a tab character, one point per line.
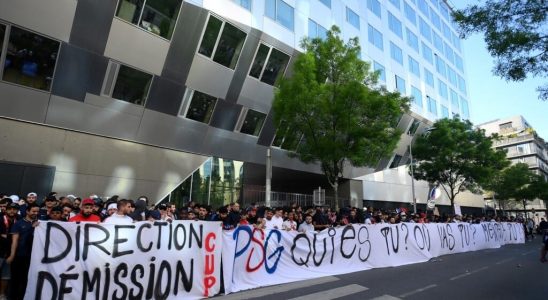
244	3
452	76
456	42
375	37
253	122
446	32
449	54
440	66
504	126
454	98
280	12
126	84
375	7
400	85
458	63
326	3
414	66
200	106
155	16
412	39
352	18
423	7
427	53
445	11
434	3
223	42
396	3
269	64
2	34
432	106
464	108
462	84
287	139
396	161
425	29
395	25
417	96
429	77
396	53
436	21
414	126
30	58
444	112
442	89
315	30
438	43
380	68
410	13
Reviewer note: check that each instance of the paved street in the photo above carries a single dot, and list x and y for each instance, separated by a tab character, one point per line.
510	272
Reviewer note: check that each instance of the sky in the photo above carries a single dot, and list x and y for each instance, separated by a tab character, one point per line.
492	97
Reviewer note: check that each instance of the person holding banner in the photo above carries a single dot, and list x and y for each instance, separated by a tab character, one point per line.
121	216
86	212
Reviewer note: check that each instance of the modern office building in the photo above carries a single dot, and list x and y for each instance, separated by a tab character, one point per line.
173	98
522	145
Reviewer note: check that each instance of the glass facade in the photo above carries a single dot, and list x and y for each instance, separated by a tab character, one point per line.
375	7
155	16
375	37
201	106
132	85
352	18
280	12
222	42
269	64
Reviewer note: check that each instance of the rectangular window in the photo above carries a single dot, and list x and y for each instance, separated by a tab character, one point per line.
400	85
280	12
200	106
396	3
442	89
446	32
253	122
244	3
432	106
414	126
427	53
505	126
316	30
437	41
444	112
452	76
414	66
417	96
130	85
375	7
423	7
269	64
410	13
2	35
326	3
449	54
454	98
458	63
445	11
412	39
440	66
395	25
375	37
456	42
30	58
425	30
352	18
396	161
396	53
436	21
429	77
464	108
462	84
222	42
155	16
380	68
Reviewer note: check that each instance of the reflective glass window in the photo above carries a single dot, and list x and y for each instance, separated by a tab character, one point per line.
253	122
375	37
223	42
352	18
395	25
375	7
156	16
132	85
396	53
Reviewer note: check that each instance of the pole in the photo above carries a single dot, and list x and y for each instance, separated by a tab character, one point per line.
412	182
268	177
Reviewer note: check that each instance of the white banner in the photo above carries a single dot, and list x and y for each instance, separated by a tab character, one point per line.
143	260
254	257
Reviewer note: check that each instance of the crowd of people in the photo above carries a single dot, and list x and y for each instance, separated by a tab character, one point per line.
21	215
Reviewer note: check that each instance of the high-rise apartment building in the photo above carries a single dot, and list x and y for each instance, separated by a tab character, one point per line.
150	96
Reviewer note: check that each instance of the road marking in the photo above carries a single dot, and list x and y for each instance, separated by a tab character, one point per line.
468	273
260	292
334	293
504	261
528	252
418	290
386	297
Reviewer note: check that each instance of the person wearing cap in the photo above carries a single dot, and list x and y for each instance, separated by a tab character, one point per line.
56	214
86	212
121	216
31	198
22	233
112	208
8	218
49	203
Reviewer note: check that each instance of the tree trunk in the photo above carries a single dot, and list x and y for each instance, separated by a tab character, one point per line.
524	208
336	190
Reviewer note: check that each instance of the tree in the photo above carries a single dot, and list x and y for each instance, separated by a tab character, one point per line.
515	34
457	157
516	183
332	101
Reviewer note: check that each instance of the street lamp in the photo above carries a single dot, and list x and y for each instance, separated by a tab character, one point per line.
412	181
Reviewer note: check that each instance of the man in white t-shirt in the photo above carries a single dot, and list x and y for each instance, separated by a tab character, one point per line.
307	225
290	224
121	215
274	221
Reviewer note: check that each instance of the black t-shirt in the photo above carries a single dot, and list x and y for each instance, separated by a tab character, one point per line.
5	237
25	230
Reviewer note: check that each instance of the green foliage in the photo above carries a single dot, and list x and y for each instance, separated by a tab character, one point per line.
518	183
332	100
515	33
456	156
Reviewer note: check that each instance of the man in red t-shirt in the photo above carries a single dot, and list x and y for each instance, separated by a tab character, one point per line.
86	212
